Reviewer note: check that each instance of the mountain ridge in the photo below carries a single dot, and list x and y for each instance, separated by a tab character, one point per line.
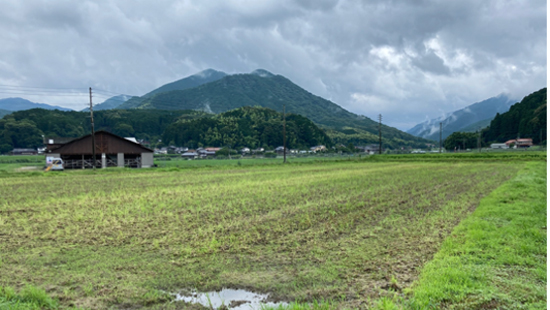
265	89
192	81
18	104
464	118
109	104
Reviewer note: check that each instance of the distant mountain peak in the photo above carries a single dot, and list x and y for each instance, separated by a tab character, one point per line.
262	73
476	113
208	73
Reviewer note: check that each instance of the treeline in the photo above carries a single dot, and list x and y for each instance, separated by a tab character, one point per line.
251	127
24	129
526	119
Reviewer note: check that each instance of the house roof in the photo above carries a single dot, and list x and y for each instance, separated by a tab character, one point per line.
105	142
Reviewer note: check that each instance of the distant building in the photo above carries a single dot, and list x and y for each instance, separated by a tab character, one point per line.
318	148
499	146
190	154
280	150
520	143
53	142
207	152
133	139
24	152
371	149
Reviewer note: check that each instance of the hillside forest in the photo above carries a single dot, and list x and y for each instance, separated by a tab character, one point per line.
247	126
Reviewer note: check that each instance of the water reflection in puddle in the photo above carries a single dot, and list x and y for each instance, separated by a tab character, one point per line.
233	299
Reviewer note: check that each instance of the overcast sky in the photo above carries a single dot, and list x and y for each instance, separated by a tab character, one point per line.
409	60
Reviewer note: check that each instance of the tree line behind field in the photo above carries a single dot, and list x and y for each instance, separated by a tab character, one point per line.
247	126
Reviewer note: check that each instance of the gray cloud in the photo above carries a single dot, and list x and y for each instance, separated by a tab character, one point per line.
409	60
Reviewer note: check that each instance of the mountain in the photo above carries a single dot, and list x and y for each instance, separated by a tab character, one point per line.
461	119
4	112
18	104
477	125
109	104
262	88
525	119
203	77
251	127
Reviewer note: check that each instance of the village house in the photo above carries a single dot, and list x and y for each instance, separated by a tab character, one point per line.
520	143
318	148
24	152
190	154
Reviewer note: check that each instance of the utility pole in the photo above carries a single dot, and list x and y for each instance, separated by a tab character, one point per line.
440	135
284	135
93	131
379	133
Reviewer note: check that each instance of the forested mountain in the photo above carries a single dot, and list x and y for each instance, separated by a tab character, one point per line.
525	119
19	104
251	127
25	128
111	103
478	125
195	80
262	88
477	114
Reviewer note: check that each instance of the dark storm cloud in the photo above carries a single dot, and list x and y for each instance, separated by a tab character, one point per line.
406	59
430	62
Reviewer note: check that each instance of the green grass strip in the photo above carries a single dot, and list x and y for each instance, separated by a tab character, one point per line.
29	298
496	258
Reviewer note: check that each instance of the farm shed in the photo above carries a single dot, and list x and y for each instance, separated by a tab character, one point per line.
111	151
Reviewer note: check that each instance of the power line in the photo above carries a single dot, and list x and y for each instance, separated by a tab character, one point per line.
43	94
110	92
32	90
82	89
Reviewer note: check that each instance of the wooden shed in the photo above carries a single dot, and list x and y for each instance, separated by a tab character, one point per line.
111	151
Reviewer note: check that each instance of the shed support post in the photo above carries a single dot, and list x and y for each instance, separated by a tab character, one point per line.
120	160
103	161
83	164
147	160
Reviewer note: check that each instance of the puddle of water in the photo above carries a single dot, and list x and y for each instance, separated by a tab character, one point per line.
233	299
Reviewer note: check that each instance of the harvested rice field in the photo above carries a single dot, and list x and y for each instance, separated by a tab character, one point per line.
346	234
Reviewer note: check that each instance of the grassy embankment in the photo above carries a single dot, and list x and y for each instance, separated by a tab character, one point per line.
345	231
496	258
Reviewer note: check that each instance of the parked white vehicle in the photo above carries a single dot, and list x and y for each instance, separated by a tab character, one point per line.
54	164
